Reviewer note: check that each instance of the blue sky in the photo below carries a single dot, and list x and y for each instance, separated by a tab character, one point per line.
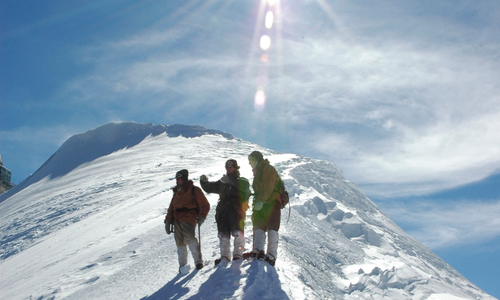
402	95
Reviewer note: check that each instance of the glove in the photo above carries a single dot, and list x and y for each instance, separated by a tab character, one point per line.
203	178
225	179
244	206
201	220
167	227
257	205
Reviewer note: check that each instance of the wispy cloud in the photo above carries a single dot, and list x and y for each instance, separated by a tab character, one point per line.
412	113
424	120
32	146
443	225
413	108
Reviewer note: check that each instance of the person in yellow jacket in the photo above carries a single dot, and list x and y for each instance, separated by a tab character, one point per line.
188	207
266	210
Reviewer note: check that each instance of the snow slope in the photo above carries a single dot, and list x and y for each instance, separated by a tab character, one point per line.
89	225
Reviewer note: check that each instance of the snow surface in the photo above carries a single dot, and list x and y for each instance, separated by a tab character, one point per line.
89	225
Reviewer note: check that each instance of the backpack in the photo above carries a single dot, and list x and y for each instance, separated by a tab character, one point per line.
244	188
283	198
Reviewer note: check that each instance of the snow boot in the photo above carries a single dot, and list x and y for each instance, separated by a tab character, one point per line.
219	260
184	269
270	259
248	255
254	254
261	256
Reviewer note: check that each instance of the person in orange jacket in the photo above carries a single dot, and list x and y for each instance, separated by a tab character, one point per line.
188	207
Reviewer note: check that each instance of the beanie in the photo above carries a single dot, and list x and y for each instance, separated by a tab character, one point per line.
232	163
183	174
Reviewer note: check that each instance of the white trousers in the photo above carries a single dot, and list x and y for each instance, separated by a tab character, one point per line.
225	244
272	243
259	241
182	254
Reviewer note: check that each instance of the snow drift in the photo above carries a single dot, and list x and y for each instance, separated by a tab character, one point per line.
89	225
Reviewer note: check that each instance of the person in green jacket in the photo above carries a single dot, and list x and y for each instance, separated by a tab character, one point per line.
234	192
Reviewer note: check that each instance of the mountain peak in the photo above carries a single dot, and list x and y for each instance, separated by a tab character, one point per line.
95	230
104	140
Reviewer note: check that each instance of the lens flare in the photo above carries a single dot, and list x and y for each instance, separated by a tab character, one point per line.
269	19
265	42
260	97
266	29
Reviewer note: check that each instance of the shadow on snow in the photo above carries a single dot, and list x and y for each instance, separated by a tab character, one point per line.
258	281
175	289
262	283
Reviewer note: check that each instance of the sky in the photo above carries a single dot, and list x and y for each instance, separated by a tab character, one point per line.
402	95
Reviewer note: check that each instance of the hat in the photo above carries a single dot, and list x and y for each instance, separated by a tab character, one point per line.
257	156
232	163
183	174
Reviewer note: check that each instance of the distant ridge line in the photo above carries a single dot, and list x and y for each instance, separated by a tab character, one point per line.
104	140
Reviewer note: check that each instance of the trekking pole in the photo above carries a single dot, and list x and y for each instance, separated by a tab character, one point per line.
199	241
289	212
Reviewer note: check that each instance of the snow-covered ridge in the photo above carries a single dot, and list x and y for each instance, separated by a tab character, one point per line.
95	230
103	140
